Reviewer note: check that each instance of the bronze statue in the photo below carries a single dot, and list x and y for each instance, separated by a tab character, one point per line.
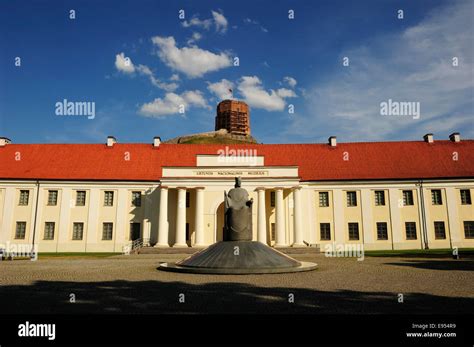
238	214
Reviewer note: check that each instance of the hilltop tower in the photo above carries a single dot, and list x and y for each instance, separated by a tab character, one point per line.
234	116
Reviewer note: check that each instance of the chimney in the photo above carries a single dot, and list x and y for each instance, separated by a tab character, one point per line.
455	137
111	141
332	141
156	141
428	138
4	141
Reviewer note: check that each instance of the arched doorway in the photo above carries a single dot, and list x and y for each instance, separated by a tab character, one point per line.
220	222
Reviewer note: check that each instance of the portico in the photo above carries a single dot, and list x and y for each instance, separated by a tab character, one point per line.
190	198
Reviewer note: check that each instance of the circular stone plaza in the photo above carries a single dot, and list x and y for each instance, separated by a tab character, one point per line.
132	284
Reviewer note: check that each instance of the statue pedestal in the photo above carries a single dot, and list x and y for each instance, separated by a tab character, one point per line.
238	257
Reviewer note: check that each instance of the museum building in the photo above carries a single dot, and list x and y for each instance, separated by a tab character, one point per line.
103	197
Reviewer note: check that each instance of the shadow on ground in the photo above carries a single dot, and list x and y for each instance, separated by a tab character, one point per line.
224	297
457	265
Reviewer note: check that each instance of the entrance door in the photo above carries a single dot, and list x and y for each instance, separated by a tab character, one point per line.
220	223
134	231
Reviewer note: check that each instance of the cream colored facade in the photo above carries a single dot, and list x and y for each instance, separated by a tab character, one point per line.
185	208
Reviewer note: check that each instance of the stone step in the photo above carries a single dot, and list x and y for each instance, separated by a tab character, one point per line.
169	250
191	250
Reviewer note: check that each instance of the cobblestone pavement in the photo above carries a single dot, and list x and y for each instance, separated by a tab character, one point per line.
132	284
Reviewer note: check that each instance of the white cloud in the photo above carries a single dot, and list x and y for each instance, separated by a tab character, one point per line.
221	89
124	64
173	103
145	70
251	89
220	22
254	22
195	37
205	24
349	103
290	81
192	61
286	93
195	98
174	77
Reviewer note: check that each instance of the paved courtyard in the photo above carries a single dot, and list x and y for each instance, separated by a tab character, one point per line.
132	284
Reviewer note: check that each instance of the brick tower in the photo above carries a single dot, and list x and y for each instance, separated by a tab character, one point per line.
233	116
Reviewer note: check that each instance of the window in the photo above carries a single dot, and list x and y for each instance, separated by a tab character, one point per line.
407	197
77	231
136	199
107	230
436	197
273	228
188	236
20	230
382	233
465	197
440	232
188	199
325	229
52	197
351	199
109	198
353	231
323	199
379	198
81	198
49	231
24	197
469	229
272	199
410	229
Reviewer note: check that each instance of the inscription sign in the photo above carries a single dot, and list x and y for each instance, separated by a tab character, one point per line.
225	173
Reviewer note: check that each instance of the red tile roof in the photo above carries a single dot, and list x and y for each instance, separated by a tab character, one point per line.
371	160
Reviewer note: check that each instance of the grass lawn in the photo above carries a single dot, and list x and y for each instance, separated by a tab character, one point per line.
76	254
443	252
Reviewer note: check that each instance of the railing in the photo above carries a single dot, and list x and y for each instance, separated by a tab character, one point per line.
133	246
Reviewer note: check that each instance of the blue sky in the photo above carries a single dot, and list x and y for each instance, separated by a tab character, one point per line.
190	62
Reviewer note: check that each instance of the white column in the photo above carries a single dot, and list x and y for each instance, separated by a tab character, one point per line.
122	229
180	240
398	229
429	223
6	224
146	201
163	219
64	219
367	217
261	218
146	232
297	214
339	218
452	196
199	218
93	229
280	235
39	213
